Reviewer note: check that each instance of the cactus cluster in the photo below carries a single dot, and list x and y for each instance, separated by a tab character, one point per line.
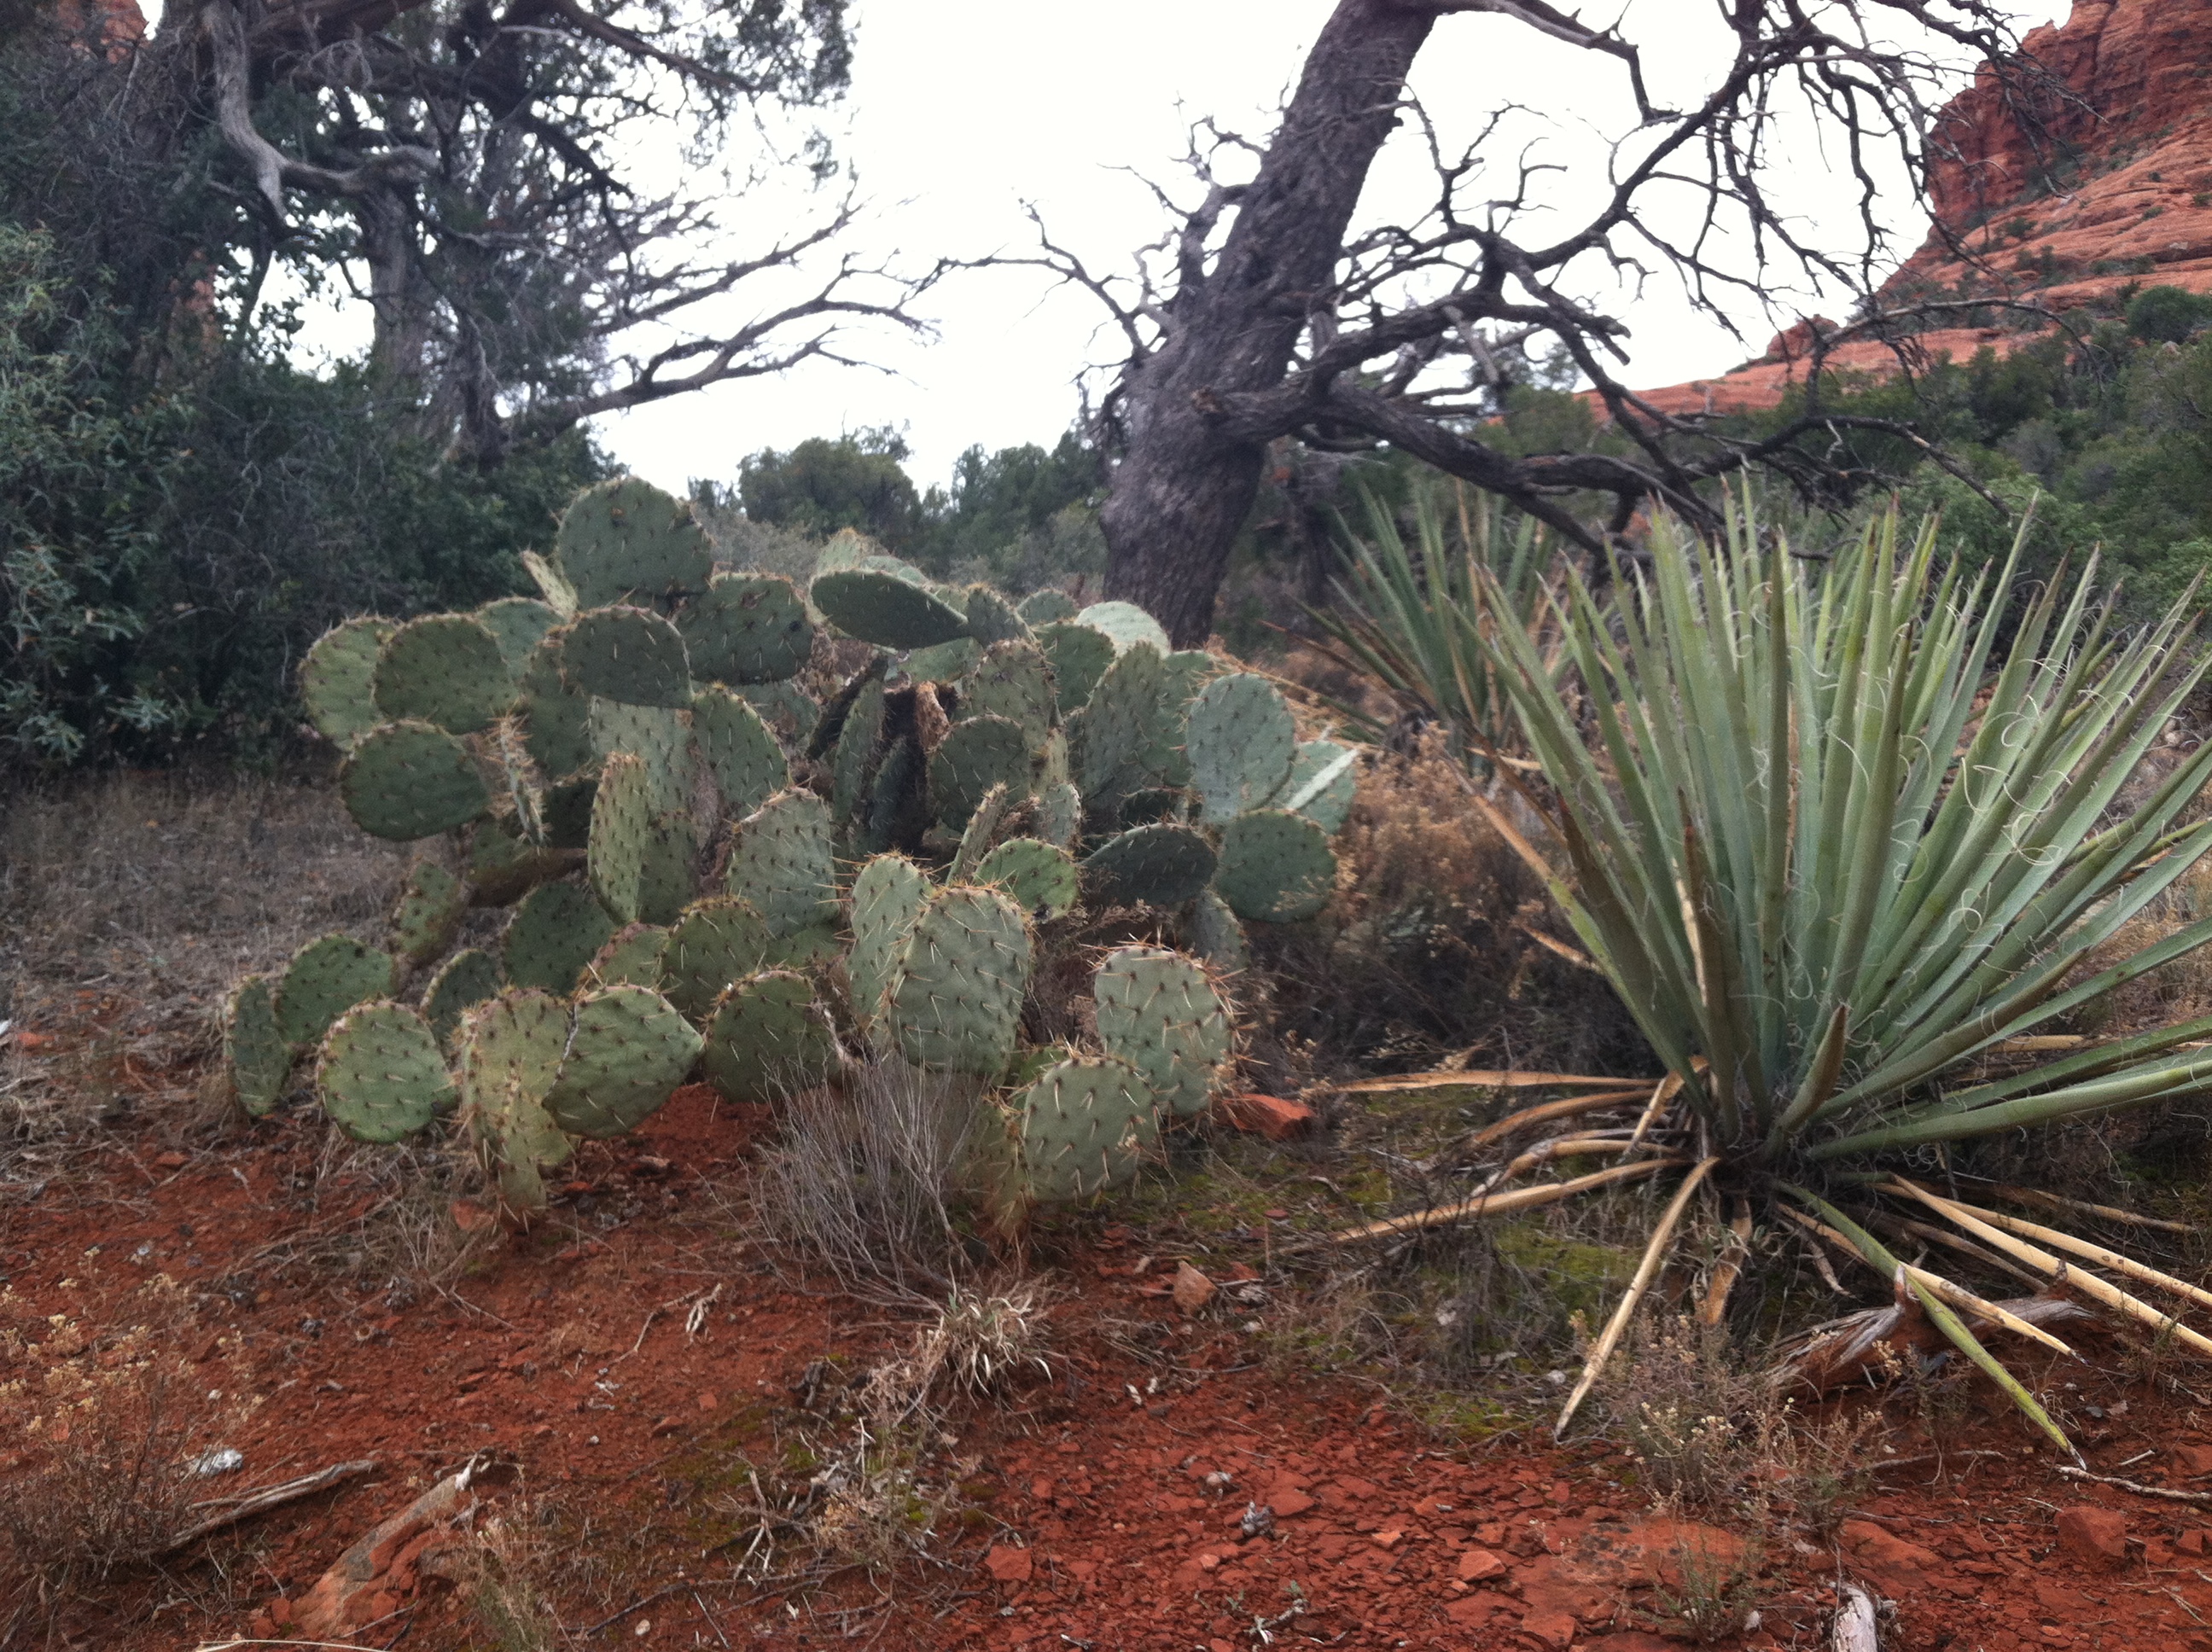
706	870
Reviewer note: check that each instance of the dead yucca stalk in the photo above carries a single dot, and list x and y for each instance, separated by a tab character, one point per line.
1830	849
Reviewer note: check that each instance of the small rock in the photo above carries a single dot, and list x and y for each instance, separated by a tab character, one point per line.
708	1401
2193	1460
1266	1116
2193	1543
1551	1628
223	1459
1008	1563
2098	1538
1481	1565
170	1161
1193	1290
1387	1541
1288	1504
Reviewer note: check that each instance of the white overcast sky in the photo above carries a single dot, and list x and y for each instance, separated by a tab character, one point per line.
961	110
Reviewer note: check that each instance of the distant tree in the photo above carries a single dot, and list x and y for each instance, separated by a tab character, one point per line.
1263	314
2167	315
857	480
999	502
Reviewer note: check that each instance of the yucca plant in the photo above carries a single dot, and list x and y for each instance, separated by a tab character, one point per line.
1409	616
1833	845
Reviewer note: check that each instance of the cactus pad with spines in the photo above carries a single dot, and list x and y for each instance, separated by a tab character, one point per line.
255	1052
668	878
1160	865
747	627
1045	607
1125	722
556	716
1276	868
1078	655
327	977
1323	784
853	757
955	999
766	1037
1038	877
1158	1012
504	866
1085	1124
626	539
621	822
945	662
716	941
431	906
886	609
511	1050
337	679
978	754
748	766
788	709
662	737
1012	680
630	655
632	959
405	780
975	836
1212	932
1059	815
992	619
381	1076
444	669
518	625
781	864
552	585
888	897
629	1050
557	931
470	976
1240	743
1128	625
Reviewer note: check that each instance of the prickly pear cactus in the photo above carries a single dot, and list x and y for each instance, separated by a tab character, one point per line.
766	1037
1242	743
511	1049
739	751
382	1076
632	959
1035	875
627	540
628	1051
716	941
429	913
470	976
405	780
886	609
444	669
747	627
259	1059
888	897
782	863
337	679
557	931
954	999
327	977
1083	1125
1158	1012
631	656
1159	865
1276	866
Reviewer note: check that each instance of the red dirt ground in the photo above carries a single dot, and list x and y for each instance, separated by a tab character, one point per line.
1094	1513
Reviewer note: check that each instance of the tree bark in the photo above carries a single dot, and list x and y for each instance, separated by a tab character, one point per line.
1184	487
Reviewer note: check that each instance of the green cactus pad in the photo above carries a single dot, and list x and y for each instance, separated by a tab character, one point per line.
716	941
511	1051
781	863
835	710
788	709
337	679
886	609
632	959
628	655
659	735
1159	1012
327	977
944	663
1128	625
557	931
1212	932
977	754
748	765
747	627
470	976
431	905
1013	680
1048	607
405	780
888	897
626	539
668	873
1078	655
518	625
621	820
444	669
955	999
766	1037
1240	743
1188	670
854	759
1276	868
1059	815
975	836
992	619
556	718
1126	722
1085	1125
811	947
1323	784
849	549
1161	865
629	1050
254	1049
1039	878
552	585
382	1076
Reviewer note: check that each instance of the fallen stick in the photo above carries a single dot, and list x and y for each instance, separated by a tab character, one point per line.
2136	1486
1493	1078
1520	1199
1854	1628
270	1496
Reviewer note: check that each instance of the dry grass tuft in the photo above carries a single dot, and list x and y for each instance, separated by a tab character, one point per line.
512	1563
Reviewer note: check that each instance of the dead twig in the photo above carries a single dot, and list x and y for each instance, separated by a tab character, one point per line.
250	1503
2136	1486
